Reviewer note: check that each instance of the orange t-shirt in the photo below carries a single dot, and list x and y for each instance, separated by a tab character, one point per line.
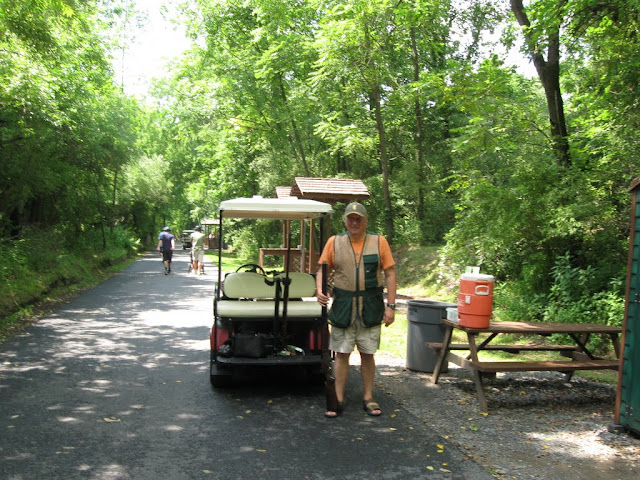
386	258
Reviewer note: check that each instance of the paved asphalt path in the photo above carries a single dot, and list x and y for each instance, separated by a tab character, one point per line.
115	385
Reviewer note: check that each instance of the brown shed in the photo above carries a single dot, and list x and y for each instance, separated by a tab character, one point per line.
328	190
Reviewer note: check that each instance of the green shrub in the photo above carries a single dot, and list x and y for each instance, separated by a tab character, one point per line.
46	259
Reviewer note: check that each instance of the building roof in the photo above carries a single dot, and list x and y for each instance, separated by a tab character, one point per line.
283	192
329	190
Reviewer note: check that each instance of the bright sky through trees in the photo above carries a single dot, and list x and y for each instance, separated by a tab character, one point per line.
157	43
161	40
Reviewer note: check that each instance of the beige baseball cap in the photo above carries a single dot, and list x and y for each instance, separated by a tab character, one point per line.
357	208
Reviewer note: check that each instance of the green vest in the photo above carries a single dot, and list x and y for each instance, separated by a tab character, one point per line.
357	287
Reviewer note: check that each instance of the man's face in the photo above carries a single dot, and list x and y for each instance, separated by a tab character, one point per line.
356	225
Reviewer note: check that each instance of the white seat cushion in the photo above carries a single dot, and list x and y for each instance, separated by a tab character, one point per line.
266	308
252	285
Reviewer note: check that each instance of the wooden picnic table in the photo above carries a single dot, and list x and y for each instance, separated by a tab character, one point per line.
580	357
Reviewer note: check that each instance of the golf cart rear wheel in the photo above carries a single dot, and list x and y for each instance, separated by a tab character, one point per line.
220	376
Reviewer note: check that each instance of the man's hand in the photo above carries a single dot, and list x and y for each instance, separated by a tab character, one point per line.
389	316
323	299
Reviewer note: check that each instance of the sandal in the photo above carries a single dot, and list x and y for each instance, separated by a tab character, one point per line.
336	413
372	408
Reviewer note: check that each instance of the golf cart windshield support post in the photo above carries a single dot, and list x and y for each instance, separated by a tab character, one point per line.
219	289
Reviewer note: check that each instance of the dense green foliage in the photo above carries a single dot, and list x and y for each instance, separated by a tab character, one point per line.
525	177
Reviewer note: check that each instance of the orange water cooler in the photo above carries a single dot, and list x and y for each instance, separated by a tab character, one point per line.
475	300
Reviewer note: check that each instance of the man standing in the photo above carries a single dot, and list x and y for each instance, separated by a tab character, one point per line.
166	245
358	259
197	250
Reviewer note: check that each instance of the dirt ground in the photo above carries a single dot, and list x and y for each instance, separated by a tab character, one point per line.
539	426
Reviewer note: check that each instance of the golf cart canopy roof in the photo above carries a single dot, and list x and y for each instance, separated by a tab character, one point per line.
289	208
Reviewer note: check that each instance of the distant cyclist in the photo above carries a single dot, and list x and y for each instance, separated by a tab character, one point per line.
166	245
197	250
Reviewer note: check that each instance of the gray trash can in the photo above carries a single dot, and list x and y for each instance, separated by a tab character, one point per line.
425	325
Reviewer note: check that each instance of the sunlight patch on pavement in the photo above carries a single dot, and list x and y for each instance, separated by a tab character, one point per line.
575	441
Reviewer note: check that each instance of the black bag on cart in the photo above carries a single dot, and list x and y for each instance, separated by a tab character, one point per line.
252	345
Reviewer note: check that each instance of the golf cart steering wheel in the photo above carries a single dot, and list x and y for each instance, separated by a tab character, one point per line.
252	267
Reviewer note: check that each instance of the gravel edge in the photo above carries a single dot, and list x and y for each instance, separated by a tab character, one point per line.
539	426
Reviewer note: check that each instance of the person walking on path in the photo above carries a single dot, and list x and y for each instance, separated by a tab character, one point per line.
358	260
166	245
197	250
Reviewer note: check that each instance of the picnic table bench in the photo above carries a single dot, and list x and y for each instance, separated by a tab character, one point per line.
579	356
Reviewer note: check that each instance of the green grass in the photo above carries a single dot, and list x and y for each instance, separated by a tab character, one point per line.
394	337
230	261
421	275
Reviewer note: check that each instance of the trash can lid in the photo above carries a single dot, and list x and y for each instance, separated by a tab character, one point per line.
430	304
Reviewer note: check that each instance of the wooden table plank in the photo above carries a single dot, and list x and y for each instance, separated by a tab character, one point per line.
578	332
538	328
510	348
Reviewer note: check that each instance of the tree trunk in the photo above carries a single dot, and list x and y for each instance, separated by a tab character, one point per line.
419	140
297	144
382	145
112	220
384	161
100	214
549	75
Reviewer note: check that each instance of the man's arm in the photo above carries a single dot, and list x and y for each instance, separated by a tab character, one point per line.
390	277
322	298
327	254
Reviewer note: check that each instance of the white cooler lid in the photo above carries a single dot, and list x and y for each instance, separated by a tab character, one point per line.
477	276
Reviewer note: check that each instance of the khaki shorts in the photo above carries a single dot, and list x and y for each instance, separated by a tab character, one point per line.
367	339
198	255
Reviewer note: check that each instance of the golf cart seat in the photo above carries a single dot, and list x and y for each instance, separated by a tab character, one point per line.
247	295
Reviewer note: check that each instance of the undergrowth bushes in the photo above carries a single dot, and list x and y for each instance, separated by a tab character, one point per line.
46	259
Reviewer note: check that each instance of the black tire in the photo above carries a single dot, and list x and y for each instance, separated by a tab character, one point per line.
220	376
316	376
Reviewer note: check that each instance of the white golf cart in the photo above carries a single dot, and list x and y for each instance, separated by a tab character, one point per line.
267	318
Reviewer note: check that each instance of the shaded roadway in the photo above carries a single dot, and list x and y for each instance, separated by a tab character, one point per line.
115	385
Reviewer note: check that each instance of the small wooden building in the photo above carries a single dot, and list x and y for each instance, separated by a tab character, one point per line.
328	190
